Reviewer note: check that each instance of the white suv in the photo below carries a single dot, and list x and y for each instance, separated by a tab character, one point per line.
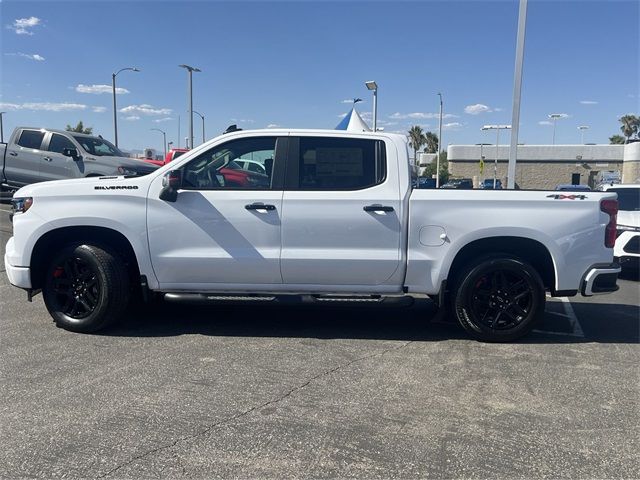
627	246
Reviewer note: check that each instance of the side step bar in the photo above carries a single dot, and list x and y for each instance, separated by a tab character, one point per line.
204	299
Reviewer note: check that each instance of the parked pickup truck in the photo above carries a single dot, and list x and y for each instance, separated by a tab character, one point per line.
37	154
338	220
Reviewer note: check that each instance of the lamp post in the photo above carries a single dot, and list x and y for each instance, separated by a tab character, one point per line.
554	117
164	139
190	69
1	127
582	128
115	111
372	85
439	144
497	128
202	117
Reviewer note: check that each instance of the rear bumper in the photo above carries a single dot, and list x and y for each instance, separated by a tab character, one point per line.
600	279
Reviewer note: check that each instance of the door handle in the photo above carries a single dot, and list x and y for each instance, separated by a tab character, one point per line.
13	154
260	206
47	159
377	208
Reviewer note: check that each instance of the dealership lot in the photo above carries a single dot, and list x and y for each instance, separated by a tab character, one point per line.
319	391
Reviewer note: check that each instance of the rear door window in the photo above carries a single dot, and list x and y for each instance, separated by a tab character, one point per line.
31	139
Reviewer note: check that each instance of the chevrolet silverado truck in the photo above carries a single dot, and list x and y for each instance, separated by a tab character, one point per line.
338	220
37	155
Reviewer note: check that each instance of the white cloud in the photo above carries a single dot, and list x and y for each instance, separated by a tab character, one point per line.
588	102
545	122
452	126
165	119
273	125
99	109
132	118
44	106
419	116
498	109
243	120
145	110
35	56
350	101
98	89
477	109
23	26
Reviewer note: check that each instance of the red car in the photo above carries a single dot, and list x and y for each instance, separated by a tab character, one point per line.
234	175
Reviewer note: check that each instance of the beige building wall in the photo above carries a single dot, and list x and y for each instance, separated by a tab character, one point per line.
631	169
543	166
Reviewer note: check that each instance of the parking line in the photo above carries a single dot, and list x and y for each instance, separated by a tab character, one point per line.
573	319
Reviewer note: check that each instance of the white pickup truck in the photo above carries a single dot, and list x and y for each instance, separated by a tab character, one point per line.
338	219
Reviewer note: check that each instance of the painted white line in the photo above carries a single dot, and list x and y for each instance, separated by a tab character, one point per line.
573	320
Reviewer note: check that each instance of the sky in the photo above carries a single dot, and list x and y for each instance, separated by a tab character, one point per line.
297	64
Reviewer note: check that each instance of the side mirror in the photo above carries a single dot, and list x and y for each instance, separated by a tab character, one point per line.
71	152
171	183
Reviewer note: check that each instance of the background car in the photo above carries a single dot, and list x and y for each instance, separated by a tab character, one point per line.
463	183
487	183
573	188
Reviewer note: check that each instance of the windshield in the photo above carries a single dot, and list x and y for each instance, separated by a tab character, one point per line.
98	147
628	198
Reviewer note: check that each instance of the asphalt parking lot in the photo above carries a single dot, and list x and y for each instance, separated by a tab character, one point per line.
306	392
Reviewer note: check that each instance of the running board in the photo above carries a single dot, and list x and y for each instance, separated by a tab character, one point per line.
204	298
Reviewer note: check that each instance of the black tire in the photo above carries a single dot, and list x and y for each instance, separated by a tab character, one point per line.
86	288
498	299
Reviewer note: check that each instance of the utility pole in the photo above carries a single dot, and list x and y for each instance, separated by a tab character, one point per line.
439	145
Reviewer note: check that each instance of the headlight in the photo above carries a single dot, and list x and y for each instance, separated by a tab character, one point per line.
628	228
127	171
21	205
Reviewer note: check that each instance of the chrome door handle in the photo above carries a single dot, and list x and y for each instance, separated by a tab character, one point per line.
13	154
47	159
377	208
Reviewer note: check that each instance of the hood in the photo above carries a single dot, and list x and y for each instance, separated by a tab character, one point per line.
80	185
629	218
120	161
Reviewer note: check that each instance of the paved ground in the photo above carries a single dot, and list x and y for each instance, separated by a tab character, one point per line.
299	392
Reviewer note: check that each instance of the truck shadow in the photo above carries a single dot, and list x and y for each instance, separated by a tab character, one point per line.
606	323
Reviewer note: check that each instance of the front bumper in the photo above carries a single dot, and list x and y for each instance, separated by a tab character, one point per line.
600	279
18	276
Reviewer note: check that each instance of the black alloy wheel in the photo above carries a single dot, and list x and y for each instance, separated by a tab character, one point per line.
86	287
499	299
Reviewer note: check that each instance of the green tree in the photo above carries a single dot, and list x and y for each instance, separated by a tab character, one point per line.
80	128
417	139
430	169
432	142
630	126
616	140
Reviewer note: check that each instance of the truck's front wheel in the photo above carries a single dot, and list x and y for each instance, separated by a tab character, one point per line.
86	288
499	299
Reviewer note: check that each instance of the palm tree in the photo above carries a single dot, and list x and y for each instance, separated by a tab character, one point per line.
80	128
630	126
416	140
432	142
616	140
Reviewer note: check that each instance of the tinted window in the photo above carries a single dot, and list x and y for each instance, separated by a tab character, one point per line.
98	146
31	139
59	142
216	168
340	163
628	198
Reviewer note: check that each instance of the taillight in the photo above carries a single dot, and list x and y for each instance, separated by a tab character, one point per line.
610	207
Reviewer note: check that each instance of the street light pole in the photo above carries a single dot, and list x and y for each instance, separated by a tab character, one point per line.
1	127
372	85
115	111
497	128
582	128
555	117
202	117
190	69
164	140
439	144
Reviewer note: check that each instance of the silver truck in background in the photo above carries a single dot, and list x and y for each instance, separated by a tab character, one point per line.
40	154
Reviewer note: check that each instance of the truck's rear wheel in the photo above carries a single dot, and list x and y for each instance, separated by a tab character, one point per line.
499	299
86	288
